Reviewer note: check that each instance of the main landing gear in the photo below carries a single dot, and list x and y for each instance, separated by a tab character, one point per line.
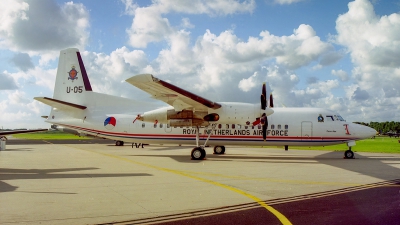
119	143
198	153
219	150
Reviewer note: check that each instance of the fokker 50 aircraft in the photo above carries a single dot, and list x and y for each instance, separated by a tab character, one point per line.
190	118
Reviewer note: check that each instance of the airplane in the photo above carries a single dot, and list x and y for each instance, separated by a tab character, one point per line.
189	118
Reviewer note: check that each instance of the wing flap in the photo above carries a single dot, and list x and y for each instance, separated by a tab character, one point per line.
178	98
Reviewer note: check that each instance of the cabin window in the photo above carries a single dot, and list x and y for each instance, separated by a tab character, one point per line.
246	127
239	126
143	125
279	127
219	126
286	127
272	126
233	126
252	127
227	126
155	125
259	126
161	125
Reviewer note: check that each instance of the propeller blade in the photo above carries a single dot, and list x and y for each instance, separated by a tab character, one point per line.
264	130
256	122
263	97
264	122
137	117
271	101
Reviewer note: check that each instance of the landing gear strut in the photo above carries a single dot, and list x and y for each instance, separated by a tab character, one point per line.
349	154
198	153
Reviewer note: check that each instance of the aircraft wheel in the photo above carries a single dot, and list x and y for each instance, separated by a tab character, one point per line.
219	150
349	154
119	143
198	153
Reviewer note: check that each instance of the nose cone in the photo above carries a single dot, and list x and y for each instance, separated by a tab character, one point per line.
365	132
268	111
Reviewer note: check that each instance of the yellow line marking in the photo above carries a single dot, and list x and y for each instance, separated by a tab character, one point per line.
275	212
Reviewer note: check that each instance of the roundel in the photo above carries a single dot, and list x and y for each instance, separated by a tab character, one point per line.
110	123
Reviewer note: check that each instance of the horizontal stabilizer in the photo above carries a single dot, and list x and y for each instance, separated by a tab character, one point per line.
45	117
62	105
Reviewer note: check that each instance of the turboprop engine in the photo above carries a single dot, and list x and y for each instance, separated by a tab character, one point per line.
228	113
179	118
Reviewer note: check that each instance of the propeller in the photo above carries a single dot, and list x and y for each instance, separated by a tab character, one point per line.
263	119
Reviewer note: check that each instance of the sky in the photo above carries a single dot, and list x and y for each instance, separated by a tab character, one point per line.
341	55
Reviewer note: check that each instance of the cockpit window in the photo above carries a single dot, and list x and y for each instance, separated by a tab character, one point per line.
334	118
340	118
330	118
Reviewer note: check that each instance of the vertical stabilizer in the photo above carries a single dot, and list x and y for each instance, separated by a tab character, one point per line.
72	81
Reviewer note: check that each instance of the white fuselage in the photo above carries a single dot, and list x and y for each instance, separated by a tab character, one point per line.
286	126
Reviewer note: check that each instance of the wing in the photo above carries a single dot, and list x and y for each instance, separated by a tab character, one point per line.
178	98
4	133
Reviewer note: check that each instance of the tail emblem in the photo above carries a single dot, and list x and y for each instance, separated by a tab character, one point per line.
73	74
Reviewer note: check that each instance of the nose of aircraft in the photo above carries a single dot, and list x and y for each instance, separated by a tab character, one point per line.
365	132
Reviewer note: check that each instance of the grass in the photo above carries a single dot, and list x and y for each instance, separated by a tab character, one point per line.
48	135
381	144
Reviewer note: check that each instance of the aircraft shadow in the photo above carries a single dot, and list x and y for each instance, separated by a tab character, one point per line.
26	174
370	166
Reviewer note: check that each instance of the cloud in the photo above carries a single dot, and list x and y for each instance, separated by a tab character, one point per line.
370	38
247	84
312	80
149	25
38	26
7	82
360	95
341	74
372	42
330	58
287	2
22	61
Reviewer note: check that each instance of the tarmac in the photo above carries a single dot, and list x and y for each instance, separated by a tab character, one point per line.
96	182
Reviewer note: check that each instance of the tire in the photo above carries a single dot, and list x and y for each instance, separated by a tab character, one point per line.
349	154
198	153
219	150
119	143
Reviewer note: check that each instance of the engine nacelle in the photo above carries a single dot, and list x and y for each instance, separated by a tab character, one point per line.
178	118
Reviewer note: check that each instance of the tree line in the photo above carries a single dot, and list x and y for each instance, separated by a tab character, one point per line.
383	127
